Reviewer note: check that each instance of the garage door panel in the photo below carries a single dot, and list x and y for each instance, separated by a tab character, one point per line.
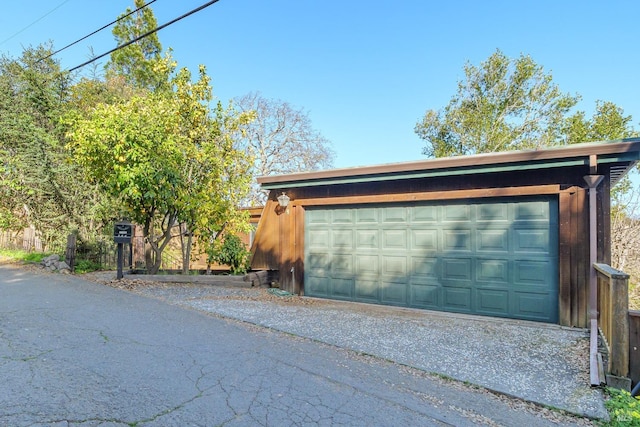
424	214
533	273
424	267
425	296
456	240
456	212
456	270
456	299
342	239
394	215
319	262
366	264
367	290
424	240
531	240
493	213
318	239
495	257
394	239
494	271
394	266
367	239
492	240
532	211
367	216
317	286
492	302
342	216
342	265
393	293
534	306
341	288
318	217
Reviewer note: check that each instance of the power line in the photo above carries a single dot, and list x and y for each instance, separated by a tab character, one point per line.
96	31
34	22
198	9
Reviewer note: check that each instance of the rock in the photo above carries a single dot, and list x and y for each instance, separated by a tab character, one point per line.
51	258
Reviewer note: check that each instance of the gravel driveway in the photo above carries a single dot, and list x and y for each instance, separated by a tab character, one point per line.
540	363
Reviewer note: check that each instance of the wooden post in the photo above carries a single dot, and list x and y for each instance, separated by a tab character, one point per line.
634	346
620	325
119	274
70	254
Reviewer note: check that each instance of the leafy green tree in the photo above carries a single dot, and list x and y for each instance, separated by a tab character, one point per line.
38	186
217	170
504	104
137	62
132	152
608	123
165	157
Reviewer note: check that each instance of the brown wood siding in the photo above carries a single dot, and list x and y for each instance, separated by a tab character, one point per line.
265	248
564	258
287	231
299	250
581	259
573	257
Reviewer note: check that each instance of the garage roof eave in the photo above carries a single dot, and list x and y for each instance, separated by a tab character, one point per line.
625	152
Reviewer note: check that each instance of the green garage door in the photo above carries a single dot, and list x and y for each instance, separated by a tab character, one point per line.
494	258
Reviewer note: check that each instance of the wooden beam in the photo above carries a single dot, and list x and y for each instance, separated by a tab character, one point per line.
431	195
565	219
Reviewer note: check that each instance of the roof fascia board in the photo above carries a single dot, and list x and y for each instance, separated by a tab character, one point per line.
627	150
422	174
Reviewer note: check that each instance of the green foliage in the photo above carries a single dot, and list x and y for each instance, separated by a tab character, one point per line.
38	185
504	104
231	252
624	409
608	123
20	255
167	158
86	266
137	63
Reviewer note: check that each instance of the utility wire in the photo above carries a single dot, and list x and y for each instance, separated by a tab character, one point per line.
96	31
148	33
34	22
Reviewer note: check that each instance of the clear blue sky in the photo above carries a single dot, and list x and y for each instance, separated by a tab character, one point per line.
365	71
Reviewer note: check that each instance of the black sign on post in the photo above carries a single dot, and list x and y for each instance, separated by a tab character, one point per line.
122	233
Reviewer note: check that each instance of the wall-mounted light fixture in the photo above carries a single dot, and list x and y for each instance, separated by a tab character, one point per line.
283	200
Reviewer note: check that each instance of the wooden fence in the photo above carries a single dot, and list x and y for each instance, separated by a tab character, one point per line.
613	317
634	346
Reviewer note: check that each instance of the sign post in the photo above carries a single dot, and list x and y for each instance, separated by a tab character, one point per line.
122	233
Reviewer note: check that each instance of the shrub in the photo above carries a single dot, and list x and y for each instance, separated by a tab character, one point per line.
623	408
86	266
232	252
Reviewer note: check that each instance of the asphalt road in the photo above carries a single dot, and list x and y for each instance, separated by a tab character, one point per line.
75	353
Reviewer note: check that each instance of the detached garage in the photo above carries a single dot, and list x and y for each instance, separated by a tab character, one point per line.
502	234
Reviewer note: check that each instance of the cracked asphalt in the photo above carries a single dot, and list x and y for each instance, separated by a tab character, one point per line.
75	353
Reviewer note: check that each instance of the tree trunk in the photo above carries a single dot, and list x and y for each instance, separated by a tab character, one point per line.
186	244
153	253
